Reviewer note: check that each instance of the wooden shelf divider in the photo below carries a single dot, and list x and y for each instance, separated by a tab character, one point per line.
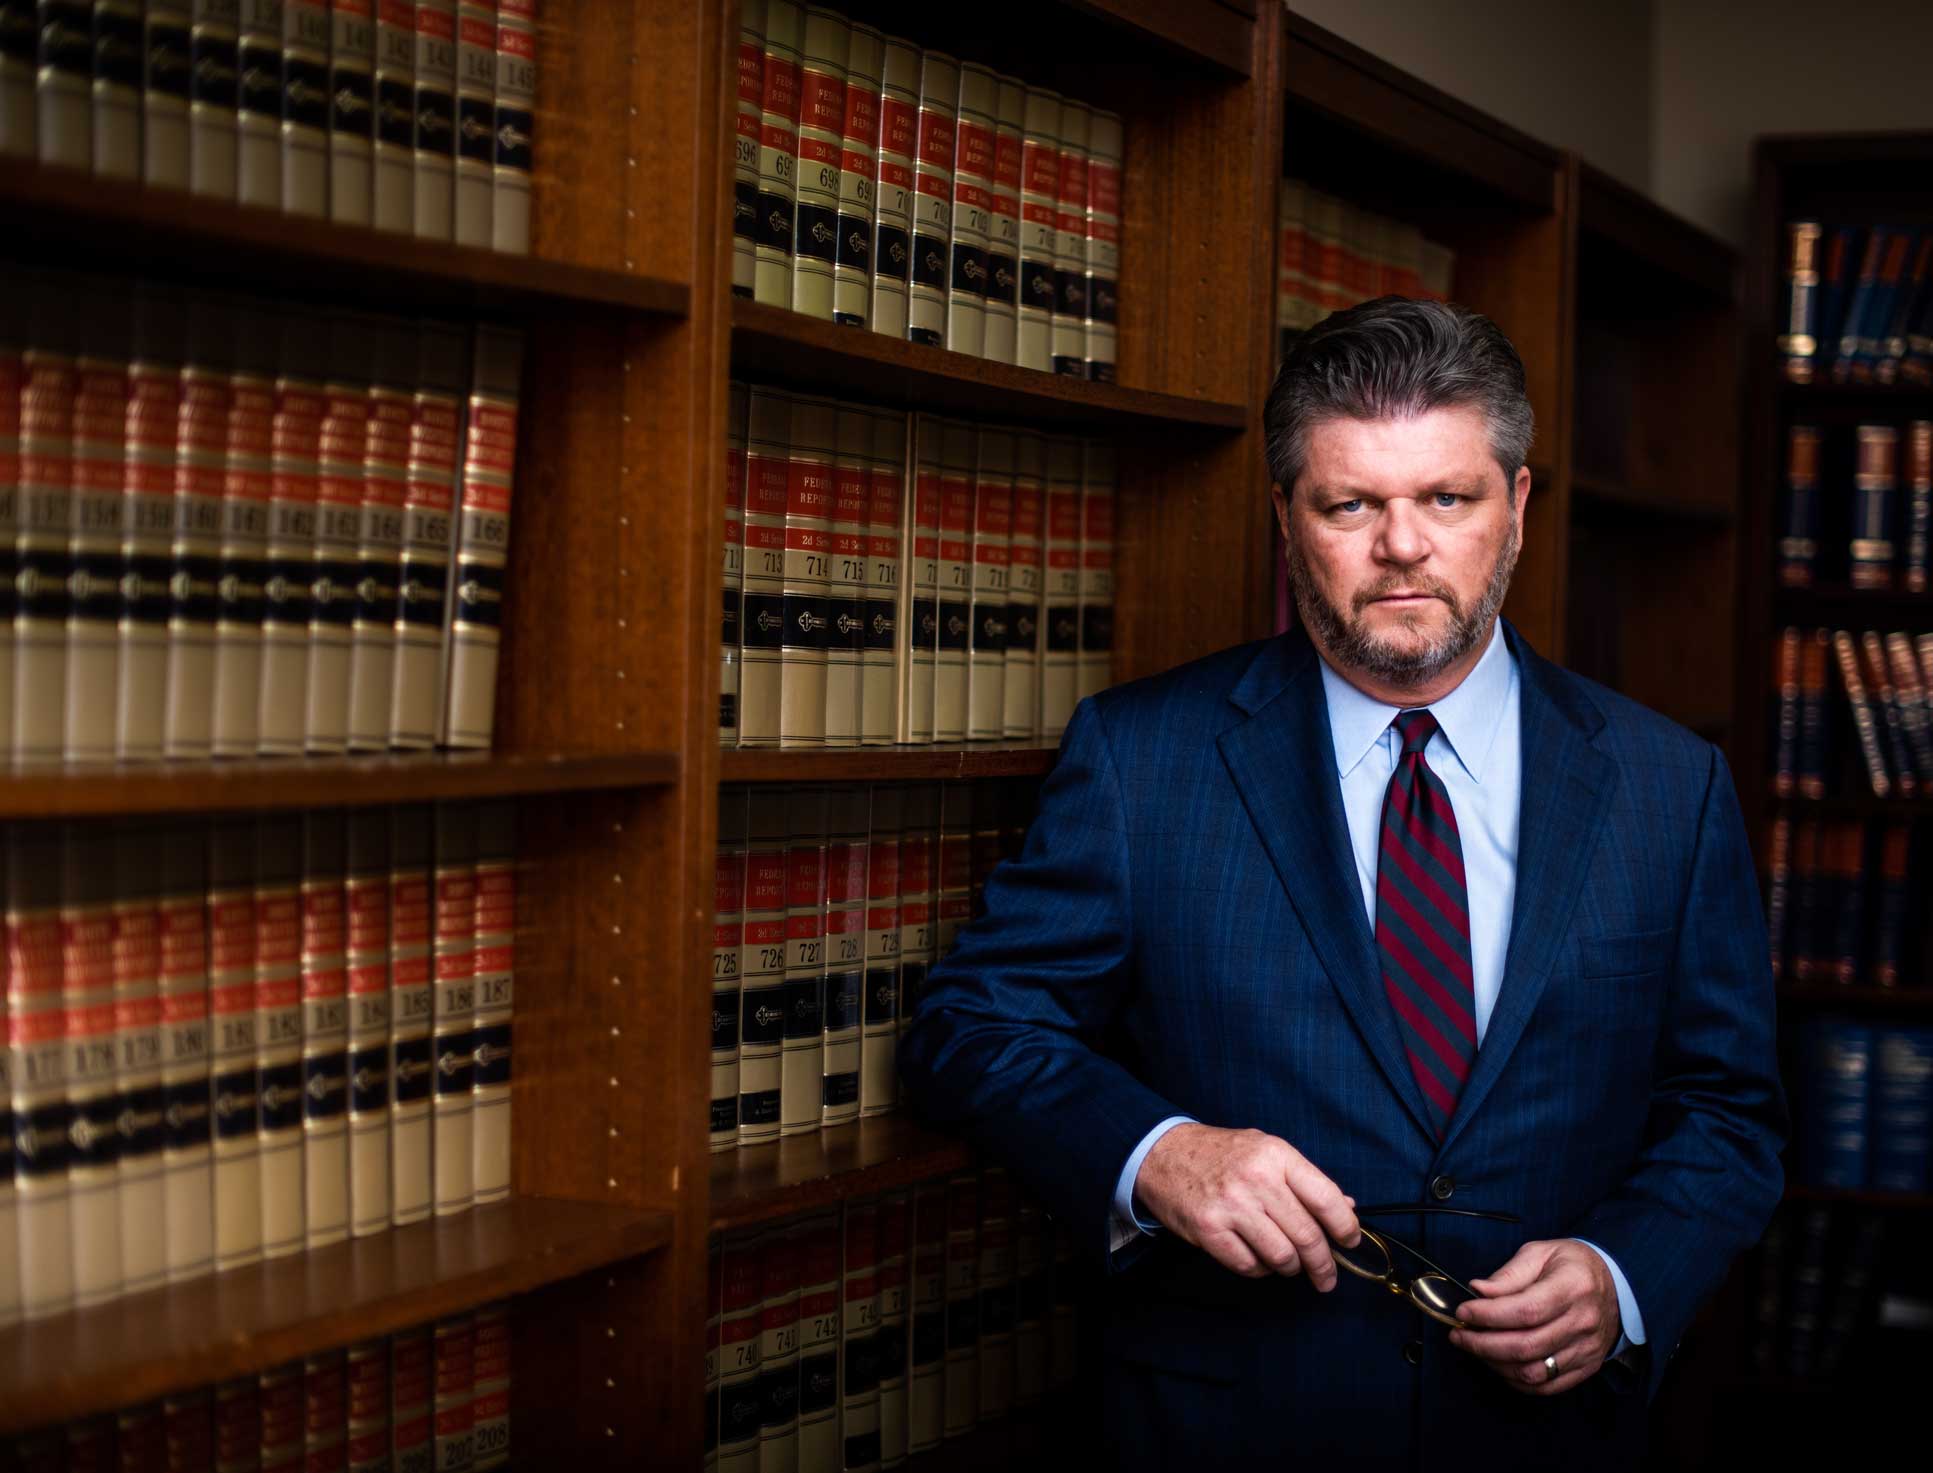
886	764
800	1173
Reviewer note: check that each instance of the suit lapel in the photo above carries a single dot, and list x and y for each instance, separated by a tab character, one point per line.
1282	761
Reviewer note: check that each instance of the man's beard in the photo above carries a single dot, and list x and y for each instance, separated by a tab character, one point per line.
1349	642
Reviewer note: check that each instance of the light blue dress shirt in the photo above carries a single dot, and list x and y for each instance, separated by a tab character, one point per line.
1477	753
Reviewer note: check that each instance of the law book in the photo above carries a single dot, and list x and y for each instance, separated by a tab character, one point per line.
188	1042
393	101
1862	713
50	384
1812	715
13	339
17	62
1919	502
955	581
430	490
1030	1305
1802	959
325	1029
1889	931
728	939
1039	289
1094	668
859	1338
453	1028
140	1119
1291	283
1865	282
878	1052
1103	285
231	1000
846	575
516	105
777	1253
847	816
962	1375
214	90
748	120
453	1405
761	968
1902	1111
802	1057
1003	225
714	1361
1909	303
1799	340
335	568
880	676
366	1411
476	108
280	1430
918	882
491	1389
151	423
920	513
1070	242
778	153
412	1068
496	934
1844	843
433	126
1879	310
939	94
740	1337
892	1345
807	581
64	84
1785	685
1835	1121
278	1030
352	111
36	1047
731	572
973	137
325	1410
294	468
997	1294
412	1401
365	904
1916	716
1875	488
989	617
819	1318
188	1425
307	104
98	509
1838	265
1888	718
116	56
482	540
762	619
223	502
953	897
825	38
1061	600
1778	890
389	413
1020	664
895	199
990	804
1917	366
1798	547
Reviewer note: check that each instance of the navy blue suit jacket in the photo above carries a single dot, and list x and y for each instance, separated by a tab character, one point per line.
1184	933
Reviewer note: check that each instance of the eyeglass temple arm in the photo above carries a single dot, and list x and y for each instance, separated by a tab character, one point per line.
1385	1209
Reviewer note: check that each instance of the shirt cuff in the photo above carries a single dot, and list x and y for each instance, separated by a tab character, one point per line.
1631	1322
1127	1221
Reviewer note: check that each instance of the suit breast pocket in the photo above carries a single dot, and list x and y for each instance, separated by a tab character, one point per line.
1631	954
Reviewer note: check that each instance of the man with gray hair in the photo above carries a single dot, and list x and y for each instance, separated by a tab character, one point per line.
1381	955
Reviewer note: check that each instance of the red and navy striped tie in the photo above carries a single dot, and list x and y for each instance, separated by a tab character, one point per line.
1423	923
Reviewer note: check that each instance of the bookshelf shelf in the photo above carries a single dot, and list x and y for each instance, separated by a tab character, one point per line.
1610	499
1619	216
770	344
755	1184
1860	806
1849	1197
226	1325
68	218
267	783
887	764
1827	600
1893	1001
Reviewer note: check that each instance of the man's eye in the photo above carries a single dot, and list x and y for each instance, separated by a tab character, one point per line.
1353	505
1446	500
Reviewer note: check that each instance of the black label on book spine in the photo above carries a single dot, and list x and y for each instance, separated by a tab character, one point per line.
962	1324
332	594
882	994
42	1141
305	93
475	129
95	585
1003	275
804	1007
745	209
929	1338
740	1405
764	627
805	621
759	1107
956	624
394	123
969	269
773	228
997	1309
6	1140
9	582
66	37
818	1381
912	981
144	589
352	96
855	242
1100	373
411	1070
724	1114
891	1341
435	119
375	591
285	591
282	1096
214	66
479	595
863	1450
1072	289
369	1080
237	587
17	46
1037	284
94	1133
839	1089
893	253
1063	629
235	1104
862	1375
1097	627
187	1115
1101	303
779	1394
762	1015
990	629
724	1020
493	1054
929	261
419	594
42	583
1022	622
117	48
325	1086
140	1122
848	625
818	232
926	623
843	993
882	622
514	130
456	1056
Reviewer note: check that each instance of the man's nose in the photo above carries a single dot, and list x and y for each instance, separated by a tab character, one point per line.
1400	534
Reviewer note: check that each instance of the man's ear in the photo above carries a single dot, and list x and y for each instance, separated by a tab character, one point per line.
1523	486
1279	499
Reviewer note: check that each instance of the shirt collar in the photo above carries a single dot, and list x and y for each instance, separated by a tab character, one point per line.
1468	716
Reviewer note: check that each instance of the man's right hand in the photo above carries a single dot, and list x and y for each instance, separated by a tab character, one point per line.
1249	1200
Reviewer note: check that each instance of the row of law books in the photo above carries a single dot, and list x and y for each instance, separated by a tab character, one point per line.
1858	304
434	1397
1820	1292
231	528
408	115
1884	685
1865	1109
235	1040
831	903
894	577
1837	907
852	1338
1854	516
881	186
1331	255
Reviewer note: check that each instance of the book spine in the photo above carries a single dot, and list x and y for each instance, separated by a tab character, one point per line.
939	91
516	104
878	1058
819	1343
1835	1137
1879	312
94	539
492	1388
64	82
1094	671
1799	538
412	1434
822	111
366	1412
433	124
37	1063
1778	891
807	585
973	141
1785	683
1061	611
1799	342
278	1030
1812	715
282	714
1030	1306
187	1145
1879	683
12	391
859	1338
221	541
214	90
1021	662
1908	303
918	877
1875	488
741	1385
151	421
1805	902
393	170
188	1429
732	573
482	539
962	1377
761	969
238	1424
728	940
714	1361
380	530
496	931
325	1030
748	118
1864	285
325	1410
17	64
118	75
895	1239
335	571
955	893
454	1408
412	1068
423	578
778	154
476	109
278	1447
955	580
1862	713
997	1293
231	997
1889	932
847	812
453	1045
896	198
365	903
1834	273
1902	1110
858	178
762	622
306	109
879	675
846	576
778	1346
1003	226
1845	843
1919	503
352	111
922	624
989	801
926	1374
802	1060
1039	229
1914	713
140	1117
988	620
1103	244
49	387
1070	242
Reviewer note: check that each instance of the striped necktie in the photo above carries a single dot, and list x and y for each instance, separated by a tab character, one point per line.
1423	923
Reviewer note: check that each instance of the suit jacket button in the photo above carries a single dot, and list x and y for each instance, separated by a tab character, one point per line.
1442	1188
1413	1352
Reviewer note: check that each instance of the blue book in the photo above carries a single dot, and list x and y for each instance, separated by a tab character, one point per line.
1833	1139
1902	1110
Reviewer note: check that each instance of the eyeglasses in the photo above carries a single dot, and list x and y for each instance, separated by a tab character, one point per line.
1436	1291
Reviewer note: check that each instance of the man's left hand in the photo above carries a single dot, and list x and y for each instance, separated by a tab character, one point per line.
1552	1298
